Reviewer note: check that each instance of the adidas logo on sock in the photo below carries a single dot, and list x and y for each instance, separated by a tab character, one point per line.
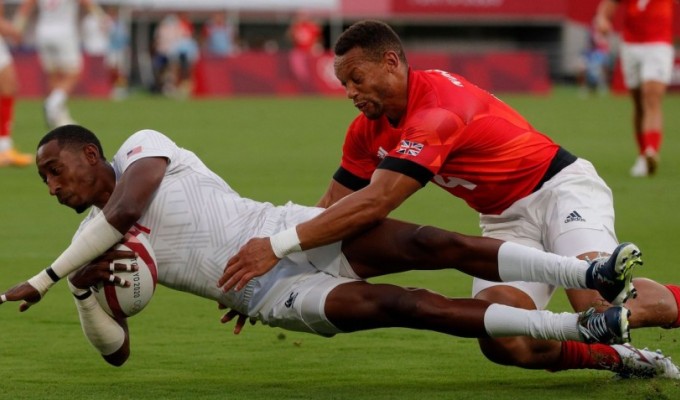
574	216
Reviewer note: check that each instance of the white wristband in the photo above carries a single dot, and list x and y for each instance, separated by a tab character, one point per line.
42	282
285	242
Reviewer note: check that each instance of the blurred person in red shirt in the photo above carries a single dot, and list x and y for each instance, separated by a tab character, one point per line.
305	35
647	57
9	156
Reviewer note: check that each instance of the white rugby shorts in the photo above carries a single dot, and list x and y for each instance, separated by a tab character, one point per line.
59	53
643	62
5	56
571	214
294	293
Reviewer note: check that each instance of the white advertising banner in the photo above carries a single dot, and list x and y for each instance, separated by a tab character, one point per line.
236	5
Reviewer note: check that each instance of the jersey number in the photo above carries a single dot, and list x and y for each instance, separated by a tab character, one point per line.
451	182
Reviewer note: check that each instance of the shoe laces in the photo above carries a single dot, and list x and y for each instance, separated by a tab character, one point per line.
594	325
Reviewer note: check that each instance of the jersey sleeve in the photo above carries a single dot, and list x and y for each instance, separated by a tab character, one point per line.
357	157
143	144
428	141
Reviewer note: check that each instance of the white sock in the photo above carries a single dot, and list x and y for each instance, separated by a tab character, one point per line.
56	98
501	321
522	263
5	143
55	102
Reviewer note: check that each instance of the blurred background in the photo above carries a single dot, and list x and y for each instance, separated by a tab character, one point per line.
231	47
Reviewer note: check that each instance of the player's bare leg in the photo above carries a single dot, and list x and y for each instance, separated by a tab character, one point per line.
655	305
360	305
425	247
383	305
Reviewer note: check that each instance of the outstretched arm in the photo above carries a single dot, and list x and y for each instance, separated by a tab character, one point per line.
129	199
348	216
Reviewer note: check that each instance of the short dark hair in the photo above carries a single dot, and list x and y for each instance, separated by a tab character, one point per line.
374	37
72	136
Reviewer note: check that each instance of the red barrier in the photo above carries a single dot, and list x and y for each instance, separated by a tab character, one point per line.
33	83
263	73
291	73
255	73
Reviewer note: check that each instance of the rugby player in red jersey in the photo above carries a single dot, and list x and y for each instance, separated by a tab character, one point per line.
647	58
434	126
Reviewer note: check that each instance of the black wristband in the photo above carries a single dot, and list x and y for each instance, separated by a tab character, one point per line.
83	296
55	278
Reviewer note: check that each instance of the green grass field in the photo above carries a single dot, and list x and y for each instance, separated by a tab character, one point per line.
287	149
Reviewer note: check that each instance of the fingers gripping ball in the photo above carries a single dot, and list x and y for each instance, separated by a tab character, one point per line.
123	302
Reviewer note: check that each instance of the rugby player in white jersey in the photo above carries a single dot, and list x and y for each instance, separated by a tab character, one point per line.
196	222
59	51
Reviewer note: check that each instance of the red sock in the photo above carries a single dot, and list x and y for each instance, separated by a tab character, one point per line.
6	114
577	355
676	294
651	139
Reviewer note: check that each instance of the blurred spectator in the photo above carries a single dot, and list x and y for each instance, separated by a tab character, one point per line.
596	64
93	30
305	35
9	156
58	49
176	53
219	36
118	52
647	58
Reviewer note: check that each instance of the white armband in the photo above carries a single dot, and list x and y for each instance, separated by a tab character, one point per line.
285	242
102	331
95	238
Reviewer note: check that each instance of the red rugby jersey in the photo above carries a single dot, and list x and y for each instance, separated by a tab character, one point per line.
648	21
463	138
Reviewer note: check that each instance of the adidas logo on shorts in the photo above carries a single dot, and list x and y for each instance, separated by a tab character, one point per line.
574	216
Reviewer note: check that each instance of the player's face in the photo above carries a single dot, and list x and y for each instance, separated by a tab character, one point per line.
67	174
366	82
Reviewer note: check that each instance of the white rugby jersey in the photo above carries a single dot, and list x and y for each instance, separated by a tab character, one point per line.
57	18
196	222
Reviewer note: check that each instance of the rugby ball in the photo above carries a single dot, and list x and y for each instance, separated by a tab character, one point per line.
124	302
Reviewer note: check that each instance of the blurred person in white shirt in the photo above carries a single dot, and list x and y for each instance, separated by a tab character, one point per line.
57	40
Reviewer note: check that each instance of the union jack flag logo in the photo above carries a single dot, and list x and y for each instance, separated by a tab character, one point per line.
135	150
409	148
